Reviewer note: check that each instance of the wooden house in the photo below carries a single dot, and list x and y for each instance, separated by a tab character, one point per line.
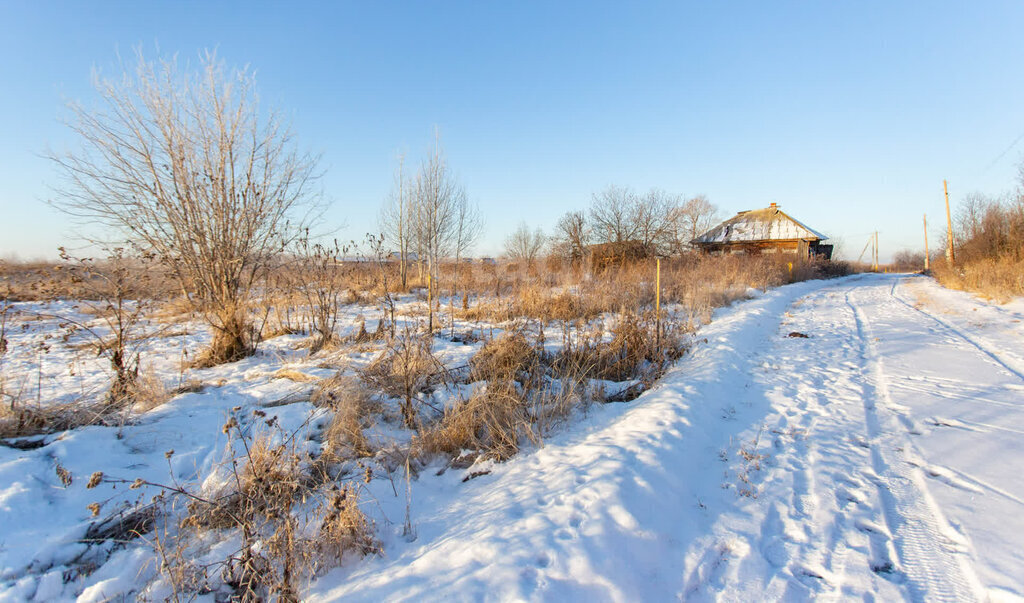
764	231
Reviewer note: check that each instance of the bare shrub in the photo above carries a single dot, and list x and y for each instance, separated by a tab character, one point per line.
6	313
634	351
320	279
520	402
344	527
291	526
402	370
115	297
990	247
185	164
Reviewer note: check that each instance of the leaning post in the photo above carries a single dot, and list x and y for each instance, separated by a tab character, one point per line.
657	302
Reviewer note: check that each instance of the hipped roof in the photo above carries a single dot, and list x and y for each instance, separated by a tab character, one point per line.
768	224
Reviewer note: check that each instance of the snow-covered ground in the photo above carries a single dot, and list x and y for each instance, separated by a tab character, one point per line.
879	457
890	453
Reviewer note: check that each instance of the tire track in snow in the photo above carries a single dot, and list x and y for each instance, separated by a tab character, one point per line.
929	561
1015	367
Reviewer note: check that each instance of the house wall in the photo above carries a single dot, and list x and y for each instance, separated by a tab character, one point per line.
795	247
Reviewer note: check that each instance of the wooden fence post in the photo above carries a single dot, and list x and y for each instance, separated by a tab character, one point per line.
657	302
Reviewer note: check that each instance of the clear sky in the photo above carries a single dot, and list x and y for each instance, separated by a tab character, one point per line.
847	114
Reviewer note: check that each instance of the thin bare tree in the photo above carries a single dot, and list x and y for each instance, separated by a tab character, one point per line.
468	227
523	245
184	163
443	221
572	236
437	196
694	217
396	221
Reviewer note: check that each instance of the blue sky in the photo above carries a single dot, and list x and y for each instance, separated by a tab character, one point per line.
849	115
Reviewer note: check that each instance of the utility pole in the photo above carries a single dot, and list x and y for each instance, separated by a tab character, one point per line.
874	252
950	257
926	259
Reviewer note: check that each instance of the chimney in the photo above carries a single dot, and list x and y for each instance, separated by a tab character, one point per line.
774	206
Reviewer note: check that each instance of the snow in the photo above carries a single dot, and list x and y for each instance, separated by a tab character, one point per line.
759	225
662	499
877	458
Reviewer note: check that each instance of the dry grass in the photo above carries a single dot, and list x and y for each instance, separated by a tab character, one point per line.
634	352
353	407
1000	279
344	527
491	422
142	394
509	357
25	420
292	526
293	375
147	391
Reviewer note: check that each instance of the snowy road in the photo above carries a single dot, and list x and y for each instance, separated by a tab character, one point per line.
880	456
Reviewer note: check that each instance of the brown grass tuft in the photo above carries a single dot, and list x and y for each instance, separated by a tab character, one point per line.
353	407
505	358
293	375
492	421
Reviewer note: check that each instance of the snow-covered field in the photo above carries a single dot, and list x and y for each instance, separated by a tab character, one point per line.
879	457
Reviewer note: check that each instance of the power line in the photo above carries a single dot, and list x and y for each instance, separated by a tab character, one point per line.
1003	154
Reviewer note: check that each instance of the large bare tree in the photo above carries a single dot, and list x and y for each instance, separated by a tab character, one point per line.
618	215
613	215
185	163
656	216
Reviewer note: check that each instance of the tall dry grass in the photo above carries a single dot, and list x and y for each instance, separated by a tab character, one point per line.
989	249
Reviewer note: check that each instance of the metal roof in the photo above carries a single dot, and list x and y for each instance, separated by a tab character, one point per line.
768	224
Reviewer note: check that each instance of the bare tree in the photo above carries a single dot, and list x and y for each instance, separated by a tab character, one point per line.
618	215
970	214
613	215
523	245
572	236
443	221
184	163
469	226
655	216
396	221
437	197
321	280
694	217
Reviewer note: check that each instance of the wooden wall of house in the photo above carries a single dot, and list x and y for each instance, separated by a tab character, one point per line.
795	247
